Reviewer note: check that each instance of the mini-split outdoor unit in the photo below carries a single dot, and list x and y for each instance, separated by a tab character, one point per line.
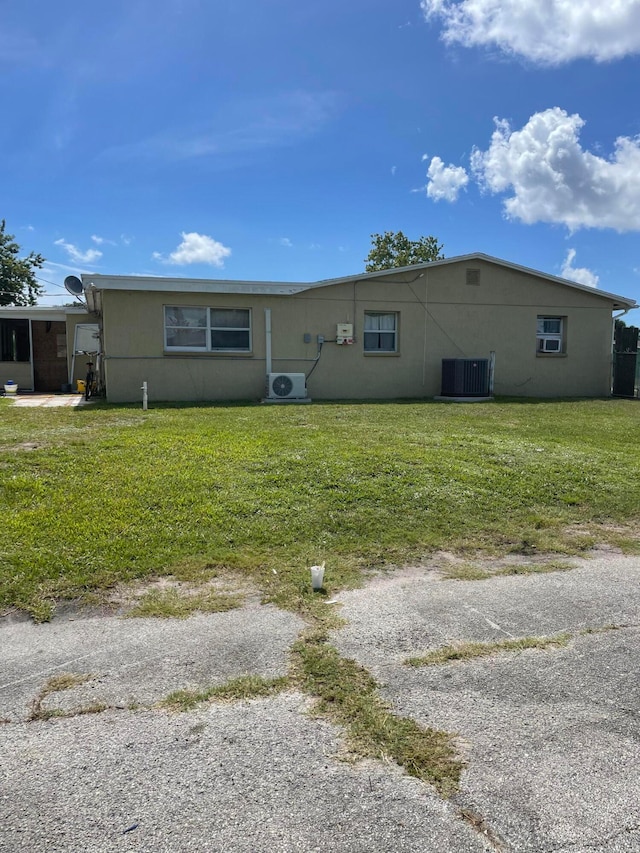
286	386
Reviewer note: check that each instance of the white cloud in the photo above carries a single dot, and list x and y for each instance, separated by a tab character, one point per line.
445	182
394	169
550	32
77	255
580	274
196	249
100	241
66	267
285	241
237	130
554	180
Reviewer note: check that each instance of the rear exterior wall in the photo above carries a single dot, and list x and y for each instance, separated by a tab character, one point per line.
438	314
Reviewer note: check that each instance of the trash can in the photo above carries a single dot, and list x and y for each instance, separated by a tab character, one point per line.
10	388
81	386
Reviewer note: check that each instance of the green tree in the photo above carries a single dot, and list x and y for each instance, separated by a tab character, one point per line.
18	284
392	249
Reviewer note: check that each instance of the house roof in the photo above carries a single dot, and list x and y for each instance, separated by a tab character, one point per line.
480	256
93	283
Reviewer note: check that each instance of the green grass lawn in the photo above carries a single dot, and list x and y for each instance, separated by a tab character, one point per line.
111	493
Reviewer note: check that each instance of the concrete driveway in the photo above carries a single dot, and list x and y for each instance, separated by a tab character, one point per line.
49	401
550	736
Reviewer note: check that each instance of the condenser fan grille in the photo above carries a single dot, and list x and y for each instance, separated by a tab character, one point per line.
282	386
286	386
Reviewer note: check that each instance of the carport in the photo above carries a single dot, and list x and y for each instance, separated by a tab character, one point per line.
36	346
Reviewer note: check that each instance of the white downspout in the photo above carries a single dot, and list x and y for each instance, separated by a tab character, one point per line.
267	325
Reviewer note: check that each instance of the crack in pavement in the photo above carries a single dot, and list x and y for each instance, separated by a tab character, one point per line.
479	823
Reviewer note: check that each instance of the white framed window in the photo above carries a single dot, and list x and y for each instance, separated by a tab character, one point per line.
191	329
380	332
550	335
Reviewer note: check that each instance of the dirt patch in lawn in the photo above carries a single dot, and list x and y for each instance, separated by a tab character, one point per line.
23	446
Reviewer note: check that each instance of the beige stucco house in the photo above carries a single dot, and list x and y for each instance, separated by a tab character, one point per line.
374	335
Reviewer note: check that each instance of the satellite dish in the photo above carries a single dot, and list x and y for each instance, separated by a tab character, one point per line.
74	285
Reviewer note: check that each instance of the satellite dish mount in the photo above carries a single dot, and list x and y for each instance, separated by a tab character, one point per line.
74	286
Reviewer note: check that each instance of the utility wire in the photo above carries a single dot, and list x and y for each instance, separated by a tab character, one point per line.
430	314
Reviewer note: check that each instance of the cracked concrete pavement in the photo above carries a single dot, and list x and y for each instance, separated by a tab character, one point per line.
551	737
139	661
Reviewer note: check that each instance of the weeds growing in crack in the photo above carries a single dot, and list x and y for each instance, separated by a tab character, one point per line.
56	684
468	651
348	695
51	713
472	572
245	687
604	629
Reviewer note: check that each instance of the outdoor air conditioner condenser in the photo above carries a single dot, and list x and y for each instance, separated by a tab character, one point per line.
286	386
465	377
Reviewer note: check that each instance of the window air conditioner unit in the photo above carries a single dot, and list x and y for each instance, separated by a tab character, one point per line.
286	386
550	345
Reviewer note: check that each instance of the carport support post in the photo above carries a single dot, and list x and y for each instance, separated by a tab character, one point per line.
145	397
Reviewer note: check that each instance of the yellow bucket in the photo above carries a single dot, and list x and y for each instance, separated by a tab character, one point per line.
81	386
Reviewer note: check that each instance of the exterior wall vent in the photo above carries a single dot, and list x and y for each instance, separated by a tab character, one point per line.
465	377
473	277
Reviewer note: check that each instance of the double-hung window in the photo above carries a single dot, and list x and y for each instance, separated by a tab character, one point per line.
380	332
207	329
550	335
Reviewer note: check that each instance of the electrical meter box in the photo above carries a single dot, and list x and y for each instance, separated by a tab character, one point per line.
344	333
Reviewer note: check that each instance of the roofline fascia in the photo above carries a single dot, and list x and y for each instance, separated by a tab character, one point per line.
201	285
276	288
42	312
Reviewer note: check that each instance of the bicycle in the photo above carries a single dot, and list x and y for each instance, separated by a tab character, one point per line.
90	383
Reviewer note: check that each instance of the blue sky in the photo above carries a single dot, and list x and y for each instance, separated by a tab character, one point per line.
269	140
